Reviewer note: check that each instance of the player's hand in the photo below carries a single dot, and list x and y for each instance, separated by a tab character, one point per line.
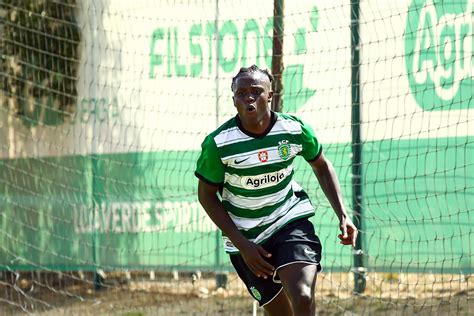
255	258
349	232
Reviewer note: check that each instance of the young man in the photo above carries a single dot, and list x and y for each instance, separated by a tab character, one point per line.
262	212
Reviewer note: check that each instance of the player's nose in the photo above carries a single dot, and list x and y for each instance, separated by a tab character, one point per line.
249	98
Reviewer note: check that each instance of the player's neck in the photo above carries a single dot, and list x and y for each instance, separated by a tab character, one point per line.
259	128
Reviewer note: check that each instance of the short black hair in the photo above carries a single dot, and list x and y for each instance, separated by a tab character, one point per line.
251	69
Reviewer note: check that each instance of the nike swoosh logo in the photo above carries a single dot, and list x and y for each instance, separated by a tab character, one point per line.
309	252
240	161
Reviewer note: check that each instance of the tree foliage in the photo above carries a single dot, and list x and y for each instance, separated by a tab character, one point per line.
40	58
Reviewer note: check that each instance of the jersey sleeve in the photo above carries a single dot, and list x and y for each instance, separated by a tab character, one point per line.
209	166
312	149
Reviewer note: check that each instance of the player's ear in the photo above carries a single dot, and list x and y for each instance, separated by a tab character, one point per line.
233	101
270	95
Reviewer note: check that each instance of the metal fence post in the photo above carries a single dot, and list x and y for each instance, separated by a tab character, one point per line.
359	267
277	54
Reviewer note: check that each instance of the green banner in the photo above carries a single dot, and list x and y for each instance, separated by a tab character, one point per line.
140	211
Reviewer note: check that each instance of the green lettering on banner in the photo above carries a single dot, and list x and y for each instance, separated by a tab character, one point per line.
98	109
250	26
168	54
296	95
448	59
229	49
196	50
427	54
438	54
300	41
268	43
210	32
314	19
155	59
179	68
228	29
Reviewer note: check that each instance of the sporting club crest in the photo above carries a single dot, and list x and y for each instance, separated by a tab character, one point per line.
284	149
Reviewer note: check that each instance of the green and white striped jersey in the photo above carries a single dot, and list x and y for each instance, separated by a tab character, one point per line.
255	173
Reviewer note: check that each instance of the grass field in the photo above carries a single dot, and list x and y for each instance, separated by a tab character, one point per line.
386	294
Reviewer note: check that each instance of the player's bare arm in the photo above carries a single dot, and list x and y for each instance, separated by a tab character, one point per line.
327	177
253	254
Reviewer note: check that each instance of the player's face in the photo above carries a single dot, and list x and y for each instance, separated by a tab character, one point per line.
252	96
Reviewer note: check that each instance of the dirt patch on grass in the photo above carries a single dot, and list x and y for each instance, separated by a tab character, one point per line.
189	294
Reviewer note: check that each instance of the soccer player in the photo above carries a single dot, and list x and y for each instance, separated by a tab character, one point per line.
246	186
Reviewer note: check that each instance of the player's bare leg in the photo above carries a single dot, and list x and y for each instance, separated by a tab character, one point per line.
280	305
299	282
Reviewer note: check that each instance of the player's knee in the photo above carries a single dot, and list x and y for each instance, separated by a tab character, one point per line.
303	301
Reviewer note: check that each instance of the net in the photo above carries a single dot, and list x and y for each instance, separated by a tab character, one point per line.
104	105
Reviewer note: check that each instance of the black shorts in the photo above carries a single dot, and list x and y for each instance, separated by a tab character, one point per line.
294	243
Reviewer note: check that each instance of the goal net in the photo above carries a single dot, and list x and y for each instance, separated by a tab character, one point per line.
103	108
